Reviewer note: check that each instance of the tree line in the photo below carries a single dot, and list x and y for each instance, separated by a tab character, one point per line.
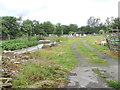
13	27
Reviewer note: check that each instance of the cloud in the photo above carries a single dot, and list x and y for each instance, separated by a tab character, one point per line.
63	11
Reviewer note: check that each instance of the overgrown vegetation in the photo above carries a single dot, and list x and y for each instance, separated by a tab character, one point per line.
102	48
58	39
34	72
48	68
97	71
114	84
17	44
13	27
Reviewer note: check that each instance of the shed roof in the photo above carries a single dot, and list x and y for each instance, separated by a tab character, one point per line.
80	33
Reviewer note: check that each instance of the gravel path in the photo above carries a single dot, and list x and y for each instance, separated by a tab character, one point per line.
84	77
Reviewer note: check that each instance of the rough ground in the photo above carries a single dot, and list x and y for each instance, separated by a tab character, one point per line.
84	77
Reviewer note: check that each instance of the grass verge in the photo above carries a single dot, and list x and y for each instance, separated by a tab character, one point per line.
91	56
34	72
98	61
49	68
104	49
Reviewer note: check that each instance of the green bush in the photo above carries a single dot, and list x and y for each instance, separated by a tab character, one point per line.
40	37
113	83
18	44
36	38
33	38
58	39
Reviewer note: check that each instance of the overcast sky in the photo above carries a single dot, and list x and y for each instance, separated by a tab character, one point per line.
63	11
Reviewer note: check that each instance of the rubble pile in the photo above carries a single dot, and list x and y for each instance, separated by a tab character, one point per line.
11	67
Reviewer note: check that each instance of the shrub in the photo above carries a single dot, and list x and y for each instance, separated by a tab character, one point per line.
36	38
18	44
113	83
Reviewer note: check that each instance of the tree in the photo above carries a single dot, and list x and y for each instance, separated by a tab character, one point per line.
65	29
48	27
59	30
86	29
116	23
101	31
93	22
27	27
73	27
109	21
10	27
37	28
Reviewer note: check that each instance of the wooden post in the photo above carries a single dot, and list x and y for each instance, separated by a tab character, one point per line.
8	37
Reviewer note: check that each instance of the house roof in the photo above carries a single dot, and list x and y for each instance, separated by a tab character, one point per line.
80	33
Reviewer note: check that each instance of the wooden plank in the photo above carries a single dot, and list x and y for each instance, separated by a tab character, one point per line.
5	78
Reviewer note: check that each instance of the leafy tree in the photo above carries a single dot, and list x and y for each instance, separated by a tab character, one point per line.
9	26
48	27
109	21
37	28
86	29
116	23
73	27
93	22
59	30
65	29
27	27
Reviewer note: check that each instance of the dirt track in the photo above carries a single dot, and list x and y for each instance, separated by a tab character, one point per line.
83	76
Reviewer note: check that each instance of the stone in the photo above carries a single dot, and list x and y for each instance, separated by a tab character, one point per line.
46	46
87	70
26	57
103	73
82	86
16	62
71	84
44	41
12	60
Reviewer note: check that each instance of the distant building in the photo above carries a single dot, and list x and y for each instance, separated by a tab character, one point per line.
79	34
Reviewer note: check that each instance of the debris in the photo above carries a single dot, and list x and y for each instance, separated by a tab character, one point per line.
45	41
26	57
16	62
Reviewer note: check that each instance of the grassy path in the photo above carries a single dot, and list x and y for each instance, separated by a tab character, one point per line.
109	60
92	61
